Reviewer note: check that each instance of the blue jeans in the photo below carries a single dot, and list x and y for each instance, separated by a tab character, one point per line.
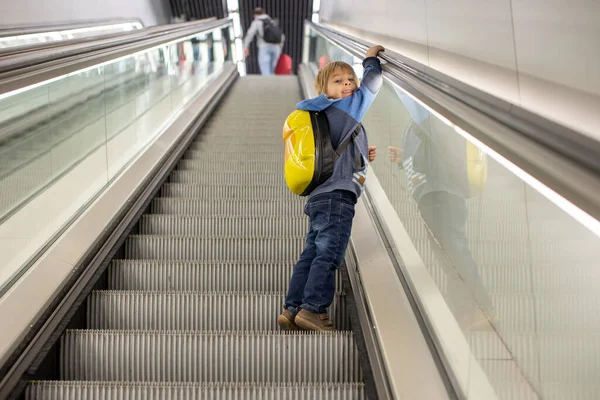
312	286
268	56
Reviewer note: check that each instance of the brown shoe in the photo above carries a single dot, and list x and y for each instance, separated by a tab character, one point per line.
286	321
313	322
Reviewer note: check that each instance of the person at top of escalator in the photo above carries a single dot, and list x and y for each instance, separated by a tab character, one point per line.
269	41
330	206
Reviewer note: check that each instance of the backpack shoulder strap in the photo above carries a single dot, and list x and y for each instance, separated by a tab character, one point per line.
346	142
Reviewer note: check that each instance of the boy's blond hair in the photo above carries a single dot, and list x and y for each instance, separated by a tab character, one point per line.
328	70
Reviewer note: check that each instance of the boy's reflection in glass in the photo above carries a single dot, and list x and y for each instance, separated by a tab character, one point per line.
434	159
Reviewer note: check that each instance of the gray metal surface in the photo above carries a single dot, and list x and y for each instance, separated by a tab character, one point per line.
242	165
188	356
229	178
225	226
228	192
230	207
213	248
205	311
200	275
196	297
80	390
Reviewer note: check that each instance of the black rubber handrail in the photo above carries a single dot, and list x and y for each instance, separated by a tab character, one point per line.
548	141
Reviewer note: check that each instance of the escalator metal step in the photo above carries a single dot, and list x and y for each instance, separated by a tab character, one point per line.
82	390
244	124
208	138
200	276
209	357
228	192
229	178
257	166
195	311
229	208
160	224
227	156
234	146
150	247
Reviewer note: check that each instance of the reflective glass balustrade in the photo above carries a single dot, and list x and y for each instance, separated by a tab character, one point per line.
519	275
63	141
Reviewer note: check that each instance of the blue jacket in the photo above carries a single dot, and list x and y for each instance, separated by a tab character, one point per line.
344	115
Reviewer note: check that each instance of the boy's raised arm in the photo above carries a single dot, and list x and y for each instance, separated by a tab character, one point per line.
357	105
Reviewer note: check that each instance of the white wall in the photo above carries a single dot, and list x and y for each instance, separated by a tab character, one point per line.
541	54
151	12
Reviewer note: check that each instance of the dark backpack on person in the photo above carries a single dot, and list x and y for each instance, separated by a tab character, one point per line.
271	31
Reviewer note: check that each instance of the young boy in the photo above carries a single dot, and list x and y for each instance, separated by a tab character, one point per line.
330	206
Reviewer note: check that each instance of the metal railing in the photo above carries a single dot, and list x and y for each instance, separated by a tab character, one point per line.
565	160
24	29
22	70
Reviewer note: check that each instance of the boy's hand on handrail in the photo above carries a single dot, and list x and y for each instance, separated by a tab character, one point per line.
373	51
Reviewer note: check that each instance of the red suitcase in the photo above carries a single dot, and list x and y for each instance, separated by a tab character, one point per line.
284	65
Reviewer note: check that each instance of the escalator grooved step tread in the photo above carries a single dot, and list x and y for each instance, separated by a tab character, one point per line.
206	138
183	356
269	178
214	248
166	224
198	276
273	146
227	192
228	157
257	166
80	390
227	207
195	311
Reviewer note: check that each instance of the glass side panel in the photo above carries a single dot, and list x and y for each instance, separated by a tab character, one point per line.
519	275
62	142
66	34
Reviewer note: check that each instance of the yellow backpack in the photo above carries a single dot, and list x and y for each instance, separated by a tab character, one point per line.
309	154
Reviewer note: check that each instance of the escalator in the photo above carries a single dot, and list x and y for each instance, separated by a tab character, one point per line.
178	262
190	310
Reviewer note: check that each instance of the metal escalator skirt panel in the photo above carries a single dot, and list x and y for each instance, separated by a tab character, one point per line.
222	226
209	357
230	208
150	247
197	276
233	311
191	391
